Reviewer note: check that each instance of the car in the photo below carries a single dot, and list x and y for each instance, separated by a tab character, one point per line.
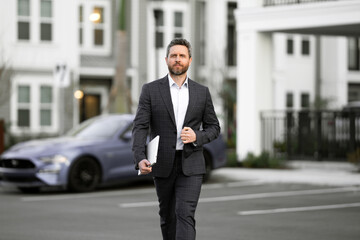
95	153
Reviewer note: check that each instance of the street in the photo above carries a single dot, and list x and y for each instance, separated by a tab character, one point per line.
237	210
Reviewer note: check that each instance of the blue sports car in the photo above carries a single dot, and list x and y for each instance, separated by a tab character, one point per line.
95	153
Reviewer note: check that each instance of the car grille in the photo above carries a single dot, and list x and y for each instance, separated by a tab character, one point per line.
20	179
16	163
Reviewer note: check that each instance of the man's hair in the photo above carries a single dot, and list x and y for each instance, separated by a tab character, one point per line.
179	41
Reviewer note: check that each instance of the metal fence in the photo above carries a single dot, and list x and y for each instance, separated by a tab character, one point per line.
267	3
332	135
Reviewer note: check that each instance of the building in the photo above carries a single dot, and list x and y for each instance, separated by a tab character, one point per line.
64	61
291	53
153	24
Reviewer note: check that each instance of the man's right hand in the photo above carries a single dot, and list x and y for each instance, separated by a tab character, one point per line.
145	167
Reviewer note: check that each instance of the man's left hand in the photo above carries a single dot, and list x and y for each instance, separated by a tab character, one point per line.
188	135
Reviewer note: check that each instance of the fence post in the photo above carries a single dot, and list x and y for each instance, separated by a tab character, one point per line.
289	123
318	120
2	136
352	131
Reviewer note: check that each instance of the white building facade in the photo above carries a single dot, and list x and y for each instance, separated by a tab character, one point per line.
290	53
52	49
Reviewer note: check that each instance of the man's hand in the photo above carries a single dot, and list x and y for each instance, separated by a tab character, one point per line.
145	167
188	135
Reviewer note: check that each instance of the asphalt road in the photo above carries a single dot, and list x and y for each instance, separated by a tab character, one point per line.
241	210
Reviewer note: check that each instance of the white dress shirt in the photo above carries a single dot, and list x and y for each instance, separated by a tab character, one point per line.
180	101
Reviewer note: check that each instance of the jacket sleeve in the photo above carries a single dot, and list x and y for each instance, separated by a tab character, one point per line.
141	126
210	123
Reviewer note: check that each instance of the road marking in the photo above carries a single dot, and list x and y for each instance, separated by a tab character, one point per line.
253	196
231	185
88	195
298	209
128	192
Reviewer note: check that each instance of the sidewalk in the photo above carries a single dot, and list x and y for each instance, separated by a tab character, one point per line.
301	172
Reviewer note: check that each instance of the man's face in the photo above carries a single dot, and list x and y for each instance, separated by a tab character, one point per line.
178	60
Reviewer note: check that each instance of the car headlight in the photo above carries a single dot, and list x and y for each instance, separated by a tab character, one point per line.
55	159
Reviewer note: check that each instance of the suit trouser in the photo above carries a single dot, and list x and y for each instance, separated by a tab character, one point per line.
178	197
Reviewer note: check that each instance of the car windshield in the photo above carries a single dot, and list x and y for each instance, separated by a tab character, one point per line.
98	128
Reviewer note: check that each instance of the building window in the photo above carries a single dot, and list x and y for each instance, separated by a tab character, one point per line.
159	28
202	33
353	92
23	24
81	27
46	20
98	21
290	46
45	105
23	115
289	100
231	34
305	100
178	24
354	54
305	47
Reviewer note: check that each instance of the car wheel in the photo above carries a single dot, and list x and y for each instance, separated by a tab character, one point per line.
84	175
29	189
208	166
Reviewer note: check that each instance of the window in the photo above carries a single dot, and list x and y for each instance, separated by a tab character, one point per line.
354	54
305	47
45	105
231	31
23	101
305	100
46	20
23	31
178	24
202	33
81	25
289	100
159	28
98	20
353	92
290	46
34	104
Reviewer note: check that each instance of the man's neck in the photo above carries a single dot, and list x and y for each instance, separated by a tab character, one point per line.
179	79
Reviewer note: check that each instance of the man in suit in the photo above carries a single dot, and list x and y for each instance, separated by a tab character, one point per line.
181	112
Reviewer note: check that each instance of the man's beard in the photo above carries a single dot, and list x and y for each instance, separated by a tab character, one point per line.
181	70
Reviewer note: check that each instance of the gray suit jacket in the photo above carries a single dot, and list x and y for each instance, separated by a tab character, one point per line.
155	114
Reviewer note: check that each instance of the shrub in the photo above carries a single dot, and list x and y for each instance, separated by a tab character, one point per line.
264	160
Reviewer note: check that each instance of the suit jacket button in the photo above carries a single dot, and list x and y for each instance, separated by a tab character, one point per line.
173	146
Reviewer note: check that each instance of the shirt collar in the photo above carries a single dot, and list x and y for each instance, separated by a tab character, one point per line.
172	82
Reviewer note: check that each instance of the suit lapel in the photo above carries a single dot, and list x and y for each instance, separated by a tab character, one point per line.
165	94
192	101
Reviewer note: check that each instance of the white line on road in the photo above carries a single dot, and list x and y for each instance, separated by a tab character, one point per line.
129	192
299	209
253	196
88	195
231	185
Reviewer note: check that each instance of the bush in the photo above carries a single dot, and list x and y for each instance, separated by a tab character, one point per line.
231	158
264	160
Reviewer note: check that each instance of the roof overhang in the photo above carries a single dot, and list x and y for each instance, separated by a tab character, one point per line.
338	18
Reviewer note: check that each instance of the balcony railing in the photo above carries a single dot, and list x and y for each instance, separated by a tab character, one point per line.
268	3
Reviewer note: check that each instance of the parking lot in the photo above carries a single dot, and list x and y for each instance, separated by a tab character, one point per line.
231	210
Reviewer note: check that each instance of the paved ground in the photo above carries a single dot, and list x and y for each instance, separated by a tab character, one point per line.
310	201
304	172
